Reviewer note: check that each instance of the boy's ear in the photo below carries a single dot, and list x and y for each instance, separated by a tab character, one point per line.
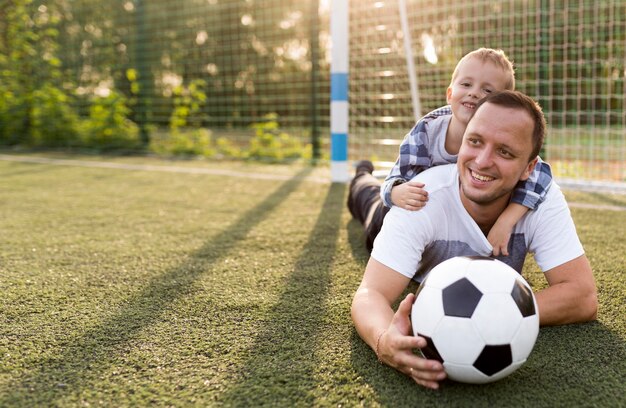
448	94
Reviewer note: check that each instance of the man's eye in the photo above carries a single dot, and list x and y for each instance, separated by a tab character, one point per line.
505	153
473	141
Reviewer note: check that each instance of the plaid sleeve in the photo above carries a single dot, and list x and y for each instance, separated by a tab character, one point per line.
531	192
414	156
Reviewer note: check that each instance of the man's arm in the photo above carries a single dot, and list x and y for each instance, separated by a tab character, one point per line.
389	333
571	296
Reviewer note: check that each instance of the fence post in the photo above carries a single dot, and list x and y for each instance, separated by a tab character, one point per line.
144	102
544	61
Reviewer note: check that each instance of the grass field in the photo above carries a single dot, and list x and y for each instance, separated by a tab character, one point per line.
209	284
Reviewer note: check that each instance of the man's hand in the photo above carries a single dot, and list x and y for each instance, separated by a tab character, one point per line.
396	345
410	195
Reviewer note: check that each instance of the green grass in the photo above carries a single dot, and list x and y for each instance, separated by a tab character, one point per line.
145	288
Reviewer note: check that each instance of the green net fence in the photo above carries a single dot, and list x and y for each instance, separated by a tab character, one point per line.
569	55
247	78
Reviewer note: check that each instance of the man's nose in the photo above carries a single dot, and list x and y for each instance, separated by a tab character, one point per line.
484	158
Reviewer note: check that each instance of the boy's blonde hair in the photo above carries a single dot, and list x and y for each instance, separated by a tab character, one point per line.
496	57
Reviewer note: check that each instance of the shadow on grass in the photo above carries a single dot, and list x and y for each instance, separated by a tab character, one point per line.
608	199
356	239
83	360
20	169
573	365
280	369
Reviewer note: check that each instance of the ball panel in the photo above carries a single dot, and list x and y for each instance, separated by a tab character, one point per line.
457	340
465	373
430	351
507	371
523	297
460	298
469	374
524	340
447	272
497	318
492	276
427	310
494	359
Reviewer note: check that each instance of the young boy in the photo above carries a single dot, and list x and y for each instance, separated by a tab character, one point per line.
435	140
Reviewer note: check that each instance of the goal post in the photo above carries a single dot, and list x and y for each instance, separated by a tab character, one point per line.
339	104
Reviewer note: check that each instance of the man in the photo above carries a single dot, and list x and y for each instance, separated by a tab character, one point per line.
499	149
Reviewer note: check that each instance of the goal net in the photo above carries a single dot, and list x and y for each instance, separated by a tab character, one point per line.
568	55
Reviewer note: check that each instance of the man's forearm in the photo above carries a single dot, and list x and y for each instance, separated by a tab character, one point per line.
571	296
371	315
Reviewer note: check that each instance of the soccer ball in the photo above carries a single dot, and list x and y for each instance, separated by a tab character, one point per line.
478	316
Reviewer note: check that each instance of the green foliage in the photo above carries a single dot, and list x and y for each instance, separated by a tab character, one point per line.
35	109
133	80
13	118
227	148
108	126
53	122
270	143
188	101
186	138
196	142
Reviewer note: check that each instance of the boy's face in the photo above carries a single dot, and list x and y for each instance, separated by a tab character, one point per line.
475	79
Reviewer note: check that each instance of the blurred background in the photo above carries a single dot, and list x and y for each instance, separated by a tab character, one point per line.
249	79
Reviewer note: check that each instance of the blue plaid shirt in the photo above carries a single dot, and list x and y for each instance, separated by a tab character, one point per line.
414	158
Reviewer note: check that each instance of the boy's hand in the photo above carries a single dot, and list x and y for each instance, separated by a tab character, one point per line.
410	195
500	233
499	237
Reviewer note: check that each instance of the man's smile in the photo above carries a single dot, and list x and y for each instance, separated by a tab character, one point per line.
481	177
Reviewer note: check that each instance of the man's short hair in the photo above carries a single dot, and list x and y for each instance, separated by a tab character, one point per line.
496	57
518	100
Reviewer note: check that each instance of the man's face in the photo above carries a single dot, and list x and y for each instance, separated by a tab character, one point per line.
494	154
474	80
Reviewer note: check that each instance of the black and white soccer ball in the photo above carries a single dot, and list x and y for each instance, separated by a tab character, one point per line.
478	316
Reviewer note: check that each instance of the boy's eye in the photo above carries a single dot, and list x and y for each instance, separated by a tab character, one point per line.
465	84
487	90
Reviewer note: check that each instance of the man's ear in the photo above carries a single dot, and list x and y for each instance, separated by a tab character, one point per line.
529	169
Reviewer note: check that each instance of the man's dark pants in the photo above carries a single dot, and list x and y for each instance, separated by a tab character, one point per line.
366	205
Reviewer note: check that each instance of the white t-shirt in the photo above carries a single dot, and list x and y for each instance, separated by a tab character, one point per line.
413	242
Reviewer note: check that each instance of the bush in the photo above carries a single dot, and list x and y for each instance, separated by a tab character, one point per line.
53	122
13	118
271	143
108	126
195	142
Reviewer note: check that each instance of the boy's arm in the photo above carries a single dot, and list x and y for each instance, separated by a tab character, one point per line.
531	192
527	196
500	233
414	156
